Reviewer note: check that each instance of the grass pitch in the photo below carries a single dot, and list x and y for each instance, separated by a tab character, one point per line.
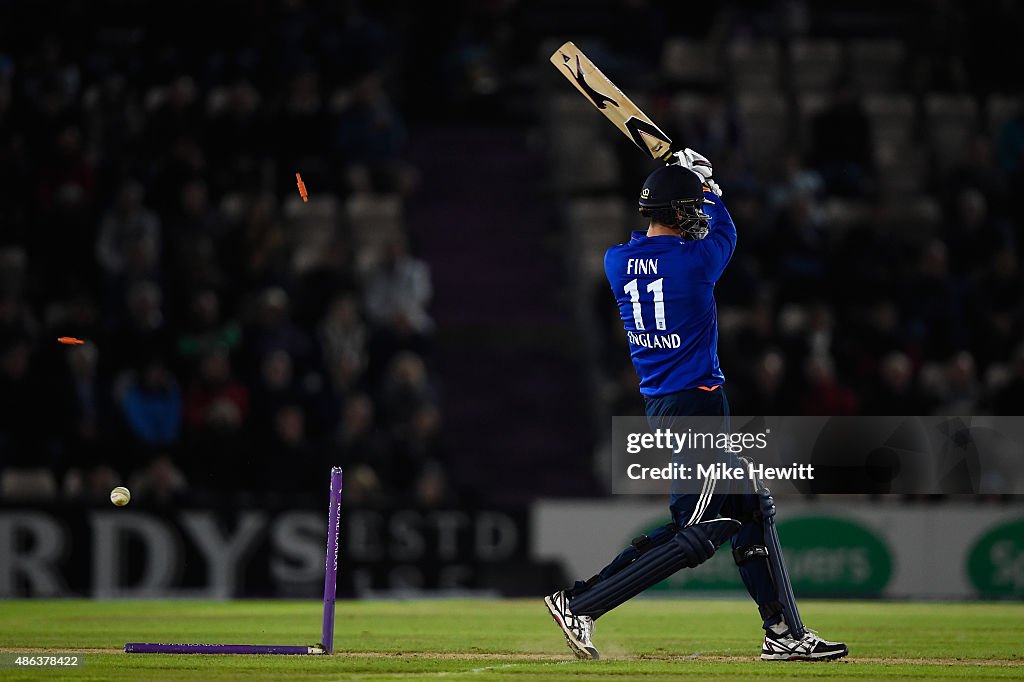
511	640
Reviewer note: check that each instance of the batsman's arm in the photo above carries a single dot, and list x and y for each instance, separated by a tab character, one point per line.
720	243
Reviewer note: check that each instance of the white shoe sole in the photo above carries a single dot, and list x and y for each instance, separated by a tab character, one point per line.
830	656
578	648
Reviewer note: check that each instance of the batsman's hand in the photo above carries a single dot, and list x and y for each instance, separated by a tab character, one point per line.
700	165
767	503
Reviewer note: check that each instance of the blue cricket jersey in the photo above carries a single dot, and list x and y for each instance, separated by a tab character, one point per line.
665	290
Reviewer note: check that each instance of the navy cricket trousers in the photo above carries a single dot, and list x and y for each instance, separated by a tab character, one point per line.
690	508
734	499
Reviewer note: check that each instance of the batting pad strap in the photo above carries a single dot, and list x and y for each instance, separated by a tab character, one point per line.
744	554
645	543
690	547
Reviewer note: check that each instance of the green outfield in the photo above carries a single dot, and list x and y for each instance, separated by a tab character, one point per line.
511	640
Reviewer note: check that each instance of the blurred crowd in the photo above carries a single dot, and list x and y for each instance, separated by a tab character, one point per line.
239	339
236	338
875	186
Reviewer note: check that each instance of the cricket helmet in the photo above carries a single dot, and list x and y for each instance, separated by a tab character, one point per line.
674	196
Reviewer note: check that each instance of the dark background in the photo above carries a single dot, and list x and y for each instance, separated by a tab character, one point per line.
434	319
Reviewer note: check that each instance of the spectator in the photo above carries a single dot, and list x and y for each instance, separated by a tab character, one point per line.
878	329
972	234
206	330
218	455
756	329
358	440
113	119
151	405
197	231
290	463
796	183
260	259
432	489
802	246
129	226
274	386
343	337
363	487
932	305
962	390
895	393
274	330
144	330
160	482
328	274
140	210
369	132
406	388
418	446
175	114
398	289
770	392
213	386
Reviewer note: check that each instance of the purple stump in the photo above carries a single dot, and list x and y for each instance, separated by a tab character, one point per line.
331	572
330	588
141	648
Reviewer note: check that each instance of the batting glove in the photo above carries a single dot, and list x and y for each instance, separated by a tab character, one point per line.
700	165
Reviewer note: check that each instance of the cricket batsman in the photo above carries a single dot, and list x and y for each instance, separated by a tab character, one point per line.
663	281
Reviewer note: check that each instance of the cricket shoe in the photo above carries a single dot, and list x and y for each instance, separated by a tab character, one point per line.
577	629
810	647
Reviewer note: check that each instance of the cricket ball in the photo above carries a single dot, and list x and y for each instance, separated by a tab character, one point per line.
120	496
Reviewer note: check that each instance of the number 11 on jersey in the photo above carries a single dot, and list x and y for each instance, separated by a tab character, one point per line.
657	288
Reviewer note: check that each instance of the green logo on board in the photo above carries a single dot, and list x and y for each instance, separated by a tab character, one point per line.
826	556
829	556
995	564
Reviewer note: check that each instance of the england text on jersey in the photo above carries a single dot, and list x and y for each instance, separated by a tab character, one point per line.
664	286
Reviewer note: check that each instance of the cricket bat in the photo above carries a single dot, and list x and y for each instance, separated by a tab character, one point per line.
611	101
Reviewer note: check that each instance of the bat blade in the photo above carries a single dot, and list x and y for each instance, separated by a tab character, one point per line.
611	101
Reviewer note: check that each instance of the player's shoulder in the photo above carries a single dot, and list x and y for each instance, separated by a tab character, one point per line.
616	248
643	244
621	250
614	257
